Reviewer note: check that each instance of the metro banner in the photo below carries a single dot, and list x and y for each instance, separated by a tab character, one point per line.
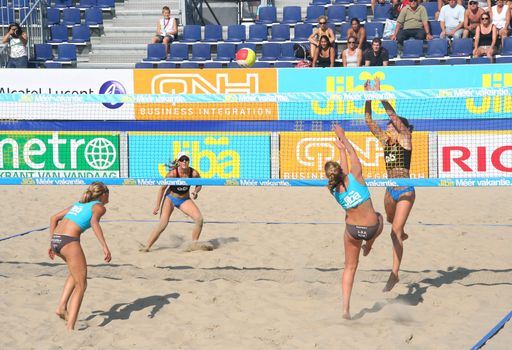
303	155
59	154
207	81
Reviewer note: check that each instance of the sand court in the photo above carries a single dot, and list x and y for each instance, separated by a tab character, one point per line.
272	279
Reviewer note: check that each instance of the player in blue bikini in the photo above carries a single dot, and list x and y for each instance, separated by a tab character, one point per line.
363	223
398	201
65	229
177	197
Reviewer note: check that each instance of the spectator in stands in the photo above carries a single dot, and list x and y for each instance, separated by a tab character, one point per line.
166	29
412	23
398	5
323	29
472	18
441	3
377	55
359	32
324	54
352	56
500	16
264	3
485	38
17	39
451	20
484	5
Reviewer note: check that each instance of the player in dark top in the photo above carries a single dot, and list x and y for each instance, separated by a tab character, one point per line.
398	201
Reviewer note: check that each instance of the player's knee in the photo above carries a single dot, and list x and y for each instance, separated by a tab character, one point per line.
199	221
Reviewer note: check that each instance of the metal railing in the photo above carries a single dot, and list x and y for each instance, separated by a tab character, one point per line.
31	19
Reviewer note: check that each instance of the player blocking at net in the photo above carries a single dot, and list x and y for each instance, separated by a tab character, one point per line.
363	223
398	201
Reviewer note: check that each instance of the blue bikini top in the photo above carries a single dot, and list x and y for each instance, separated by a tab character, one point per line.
354	195
81	214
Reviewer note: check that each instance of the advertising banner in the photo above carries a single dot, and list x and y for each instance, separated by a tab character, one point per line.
66	82
59	154
207	81
476	154
303	154
334	80
214	155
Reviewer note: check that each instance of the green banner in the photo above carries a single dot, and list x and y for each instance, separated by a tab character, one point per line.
55	154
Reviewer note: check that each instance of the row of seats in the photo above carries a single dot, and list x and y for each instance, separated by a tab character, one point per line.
80	34
225	52
43	53
278	32
284	64
72	16
83	4
11	14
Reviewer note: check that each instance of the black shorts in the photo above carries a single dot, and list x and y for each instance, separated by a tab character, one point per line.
59	241
161	38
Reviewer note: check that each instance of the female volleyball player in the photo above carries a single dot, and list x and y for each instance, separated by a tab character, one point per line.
177	197
398	201
362	222
65	228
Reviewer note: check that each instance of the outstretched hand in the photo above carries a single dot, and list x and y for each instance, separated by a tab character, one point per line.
376	86
338	130
340	145
367	86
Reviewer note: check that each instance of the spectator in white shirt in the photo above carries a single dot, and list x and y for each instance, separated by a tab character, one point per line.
451	20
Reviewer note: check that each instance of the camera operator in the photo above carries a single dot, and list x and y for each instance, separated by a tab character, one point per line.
17	40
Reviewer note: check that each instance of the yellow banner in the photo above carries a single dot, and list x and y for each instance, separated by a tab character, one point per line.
207	81
303	154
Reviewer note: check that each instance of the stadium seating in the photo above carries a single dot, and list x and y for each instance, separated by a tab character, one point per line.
71	16
236	33
189	65
435	28
201	52
257	33
479	60
212	33
462	47
358	11
455	60
178	52
270	51
374	30
85	4
382	12
291	15
392	48
405	62
262	65
80	34
143	65
42	52
431	8
213	65
430	62
336	14
155	52
313	12
191	33
66	53
166	65
93	17
320	2
251	46
19	4
280	32
267	15
6	15
504	59
302	31
412	49
53	65
53	16
284	65
506	50
225	52
287	52
62	3
58	33
437	48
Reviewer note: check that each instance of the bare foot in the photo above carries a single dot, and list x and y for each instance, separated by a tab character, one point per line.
346	316
143	248
366	249
63	314
404	236
392	280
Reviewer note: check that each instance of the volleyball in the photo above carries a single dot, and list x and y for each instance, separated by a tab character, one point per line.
245	57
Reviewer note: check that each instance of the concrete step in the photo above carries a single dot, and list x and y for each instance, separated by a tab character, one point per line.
104	65
119	46
116	58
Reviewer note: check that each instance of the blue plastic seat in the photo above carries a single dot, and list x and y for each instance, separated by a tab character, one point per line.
287	52
405	62
343	2
291	14
391	46
53	16
313	12
236	33
462	47
504	59
267	15
62	3
166	65
435	28
191	33
106	4
262	65
257	33
412	49
52	65
3	3
336	14
85	4
343	30
93	16
280	32
155	52
270	51
6	15
284	65
71	16
19	4
431	8
251	46
212	33
437	48
430	62
213	65
381	12
66	53
59	33
225	52
506	50
374	29
80	34
144	65
201	52
320	2
358	11
178	52
189	65
479	60
302	31
363	2
43	52
456	60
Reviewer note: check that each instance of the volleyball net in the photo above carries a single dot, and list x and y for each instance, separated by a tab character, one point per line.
461	137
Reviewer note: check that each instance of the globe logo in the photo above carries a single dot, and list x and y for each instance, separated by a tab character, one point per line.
100	153
112	87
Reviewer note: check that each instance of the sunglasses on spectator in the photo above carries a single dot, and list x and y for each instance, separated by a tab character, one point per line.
351	42
485	18
322	22
473	2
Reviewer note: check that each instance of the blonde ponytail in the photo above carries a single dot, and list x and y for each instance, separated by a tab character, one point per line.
93	192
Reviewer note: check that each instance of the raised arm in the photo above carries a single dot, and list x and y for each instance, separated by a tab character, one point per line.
402	129
372	125
98	211
355	165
